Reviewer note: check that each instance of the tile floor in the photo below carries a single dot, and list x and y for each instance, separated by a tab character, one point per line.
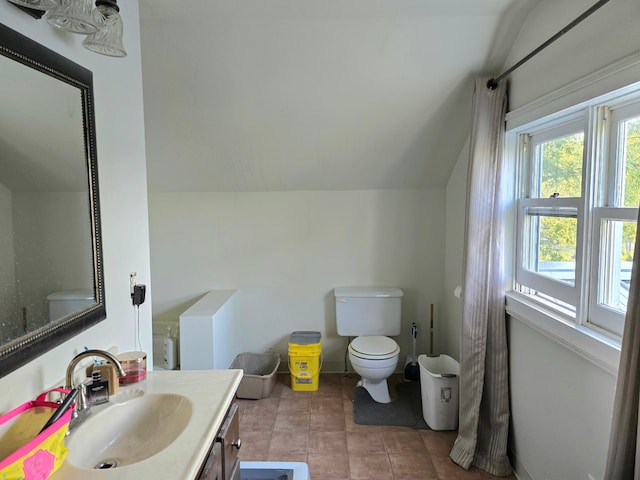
317	428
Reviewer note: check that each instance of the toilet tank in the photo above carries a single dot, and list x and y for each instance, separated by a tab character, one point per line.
368	311
66	302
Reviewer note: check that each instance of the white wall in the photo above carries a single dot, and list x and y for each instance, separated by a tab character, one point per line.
285	251
607	36
123	198
561	403
561	407
455	226
210	334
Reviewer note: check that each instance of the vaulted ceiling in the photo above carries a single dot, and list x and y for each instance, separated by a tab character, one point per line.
274	95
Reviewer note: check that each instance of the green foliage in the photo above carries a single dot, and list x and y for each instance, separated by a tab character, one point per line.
631	183
560	171
632	164
561	166
558	239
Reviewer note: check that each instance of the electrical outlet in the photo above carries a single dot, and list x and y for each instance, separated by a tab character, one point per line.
132	282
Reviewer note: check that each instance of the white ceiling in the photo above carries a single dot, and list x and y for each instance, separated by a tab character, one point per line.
272	95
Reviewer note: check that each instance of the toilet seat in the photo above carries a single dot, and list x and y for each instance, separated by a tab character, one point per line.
374	348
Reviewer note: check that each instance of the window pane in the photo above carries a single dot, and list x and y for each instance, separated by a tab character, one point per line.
616	256
631	158
554	240
559	166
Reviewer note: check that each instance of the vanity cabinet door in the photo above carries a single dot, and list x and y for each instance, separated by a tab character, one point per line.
229	439
212	469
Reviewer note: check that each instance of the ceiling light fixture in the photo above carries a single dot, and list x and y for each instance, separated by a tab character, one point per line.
102	24
107	39
73	16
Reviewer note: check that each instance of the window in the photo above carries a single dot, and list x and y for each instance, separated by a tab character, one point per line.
577	207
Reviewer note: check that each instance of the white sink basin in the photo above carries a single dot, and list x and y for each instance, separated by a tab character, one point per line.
162	427
126	433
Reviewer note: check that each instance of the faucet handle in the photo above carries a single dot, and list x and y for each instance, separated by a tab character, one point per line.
82	408
83	403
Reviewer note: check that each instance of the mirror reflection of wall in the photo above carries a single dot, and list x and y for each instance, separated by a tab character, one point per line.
45	246
8	310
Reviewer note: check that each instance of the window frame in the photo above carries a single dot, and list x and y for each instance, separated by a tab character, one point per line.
598	116
527	138
608	320
538	281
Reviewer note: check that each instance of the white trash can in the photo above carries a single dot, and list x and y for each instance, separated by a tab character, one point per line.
439	387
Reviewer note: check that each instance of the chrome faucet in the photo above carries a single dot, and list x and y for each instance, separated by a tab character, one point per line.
82	408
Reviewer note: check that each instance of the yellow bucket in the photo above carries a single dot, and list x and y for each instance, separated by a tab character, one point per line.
305	360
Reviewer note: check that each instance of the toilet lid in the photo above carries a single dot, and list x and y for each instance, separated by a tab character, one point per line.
374	347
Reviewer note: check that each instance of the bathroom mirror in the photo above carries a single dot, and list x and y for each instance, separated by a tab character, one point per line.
51	278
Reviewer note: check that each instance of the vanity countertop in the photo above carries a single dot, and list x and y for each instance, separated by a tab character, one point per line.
210	392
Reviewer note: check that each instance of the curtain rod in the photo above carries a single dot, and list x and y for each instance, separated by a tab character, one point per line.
493	83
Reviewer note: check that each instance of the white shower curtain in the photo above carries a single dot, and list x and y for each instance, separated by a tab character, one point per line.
484	389
623	444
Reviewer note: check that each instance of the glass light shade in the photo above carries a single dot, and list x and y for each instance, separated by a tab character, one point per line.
36	4
108	39
73	16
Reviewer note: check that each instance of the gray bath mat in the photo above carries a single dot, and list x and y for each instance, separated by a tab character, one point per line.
403	411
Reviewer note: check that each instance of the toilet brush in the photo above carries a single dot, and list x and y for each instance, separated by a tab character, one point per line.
411	370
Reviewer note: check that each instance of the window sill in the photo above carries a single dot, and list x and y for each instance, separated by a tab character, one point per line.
594	347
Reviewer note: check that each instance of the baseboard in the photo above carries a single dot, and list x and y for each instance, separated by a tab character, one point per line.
519	469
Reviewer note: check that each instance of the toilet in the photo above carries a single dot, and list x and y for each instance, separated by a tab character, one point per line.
371	314
66	302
